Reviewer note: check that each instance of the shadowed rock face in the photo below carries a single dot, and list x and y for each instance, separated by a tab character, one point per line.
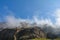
51	36
30	33
7	34
22	34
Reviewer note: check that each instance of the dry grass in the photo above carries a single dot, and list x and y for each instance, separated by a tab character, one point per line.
45	39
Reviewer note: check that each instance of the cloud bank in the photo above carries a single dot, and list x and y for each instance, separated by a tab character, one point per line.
13	22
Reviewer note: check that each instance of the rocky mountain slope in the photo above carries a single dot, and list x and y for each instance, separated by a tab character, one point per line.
22	34
26	33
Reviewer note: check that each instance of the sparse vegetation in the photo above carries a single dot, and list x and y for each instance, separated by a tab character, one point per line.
45	39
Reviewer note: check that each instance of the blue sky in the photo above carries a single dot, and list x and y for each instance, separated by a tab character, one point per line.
28	8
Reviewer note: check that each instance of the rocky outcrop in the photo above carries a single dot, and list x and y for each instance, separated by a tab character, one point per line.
29	33
22	34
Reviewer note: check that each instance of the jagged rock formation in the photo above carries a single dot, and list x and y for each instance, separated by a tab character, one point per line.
26	32
22	34
30	33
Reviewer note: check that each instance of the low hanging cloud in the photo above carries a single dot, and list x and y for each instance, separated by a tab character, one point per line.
13	22
41	22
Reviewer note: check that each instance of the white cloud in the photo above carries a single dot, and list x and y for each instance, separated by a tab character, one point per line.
57	17
43	21
13	21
